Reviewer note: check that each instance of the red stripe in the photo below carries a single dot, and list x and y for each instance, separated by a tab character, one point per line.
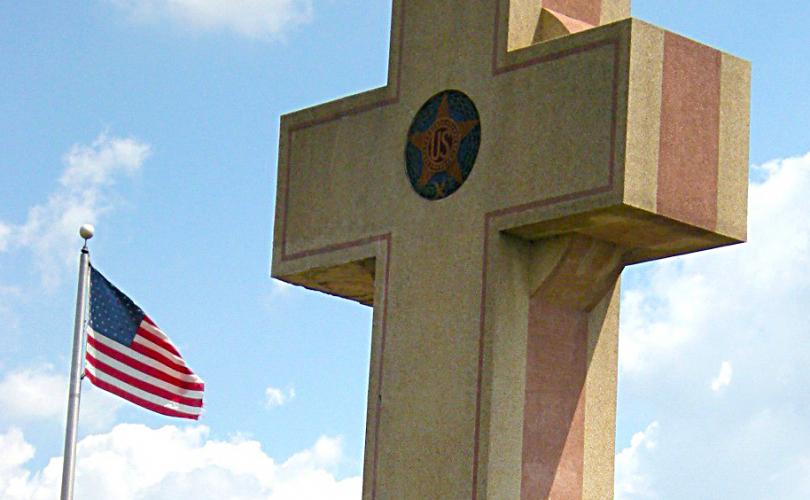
142	385
151	337
138	401
133	363
690	132
142	349
554	396
149	320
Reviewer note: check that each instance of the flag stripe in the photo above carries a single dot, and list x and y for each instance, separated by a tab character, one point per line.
144	364
187	399
148	325
138	401
147	351
131	353
100	370
158	340
139	393
181	391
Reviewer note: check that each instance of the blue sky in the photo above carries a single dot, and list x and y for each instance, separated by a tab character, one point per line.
158	122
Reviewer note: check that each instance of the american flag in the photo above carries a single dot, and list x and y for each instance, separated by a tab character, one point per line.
129	356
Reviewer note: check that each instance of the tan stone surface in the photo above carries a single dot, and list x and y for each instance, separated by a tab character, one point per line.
600	405
504	382
615	10
732	186
524	18
564	192
644	117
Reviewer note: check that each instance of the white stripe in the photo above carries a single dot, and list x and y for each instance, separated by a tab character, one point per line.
112	344
132	372
160	350
173	405
158	400
157	331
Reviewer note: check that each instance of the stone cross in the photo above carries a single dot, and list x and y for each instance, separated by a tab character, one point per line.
485	202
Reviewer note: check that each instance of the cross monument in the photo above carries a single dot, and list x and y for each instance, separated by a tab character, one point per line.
485	202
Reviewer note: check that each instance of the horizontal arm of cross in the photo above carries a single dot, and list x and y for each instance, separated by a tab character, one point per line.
624	133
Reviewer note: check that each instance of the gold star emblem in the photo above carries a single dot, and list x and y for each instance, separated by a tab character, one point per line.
439	145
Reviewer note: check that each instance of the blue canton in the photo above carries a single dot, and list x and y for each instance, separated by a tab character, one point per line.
112	313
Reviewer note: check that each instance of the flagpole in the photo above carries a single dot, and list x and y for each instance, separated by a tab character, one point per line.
74	393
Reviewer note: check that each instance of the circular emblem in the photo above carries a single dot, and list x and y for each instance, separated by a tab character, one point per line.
442	144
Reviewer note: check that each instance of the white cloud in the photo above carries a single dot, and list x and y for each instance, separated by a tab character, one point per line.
8	317
658	319
277	397
14	453
249	18
40	393
278	291
33	393
5	232
793	480
83	195
723	378
280	287
631	482
135	461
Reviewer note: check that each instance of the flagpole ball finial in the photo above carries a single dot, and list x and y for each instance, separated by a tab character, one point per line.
87	231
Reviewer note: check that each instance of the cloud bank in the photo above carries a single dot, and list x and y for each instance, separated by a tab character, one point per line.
137	462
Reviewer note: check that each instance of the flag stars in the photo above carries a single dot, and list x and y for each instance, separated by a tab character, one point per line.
112	313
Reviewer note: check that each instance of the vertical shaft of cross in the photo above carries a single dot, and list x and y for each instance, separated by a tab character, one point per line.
552	333
569	317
